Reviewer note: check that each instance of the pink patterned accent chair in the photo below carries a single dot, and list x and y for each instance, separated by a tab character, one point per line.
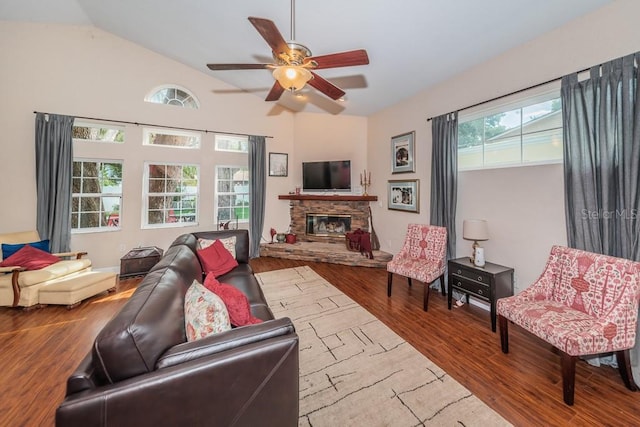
582	304
423	257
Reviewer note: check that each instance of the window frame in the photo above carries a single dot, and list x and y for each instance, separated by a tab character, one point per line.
149	97
148	130
120	195
218	193
227	150
519	102
146	194
98	125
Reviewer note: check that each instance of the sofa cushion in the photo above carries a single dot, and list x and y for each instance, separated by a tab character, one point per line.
9	249
31	258
151	322
204	313
52	272
216	259
236	302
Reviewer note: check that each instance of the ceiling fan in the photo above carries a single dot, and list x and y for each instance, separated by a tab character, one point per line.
293	62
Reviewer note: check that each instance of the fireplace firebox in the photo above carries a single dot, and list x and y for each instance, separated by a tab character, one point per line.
327	225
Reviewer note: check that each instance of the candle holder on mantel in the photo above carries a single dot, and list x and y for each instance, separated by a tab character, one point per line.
365	181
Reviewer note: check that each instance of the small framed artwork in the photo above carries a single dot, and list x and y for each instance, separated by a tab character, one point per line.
278	164
404	195
403	153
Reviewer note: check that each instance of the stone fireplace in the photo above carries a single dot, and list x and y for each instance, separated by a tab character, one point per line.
320	218
318	222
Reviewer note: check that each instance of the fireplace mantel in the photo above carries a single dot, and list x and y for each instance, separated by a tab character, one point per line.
329	198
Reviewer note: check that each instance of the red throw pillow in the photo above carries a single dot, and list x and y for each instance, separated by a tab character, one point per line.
217	259
30	258
236	302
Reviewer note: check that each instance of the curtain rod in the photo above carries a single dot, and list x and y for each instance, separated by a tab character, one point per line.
513	93
158	126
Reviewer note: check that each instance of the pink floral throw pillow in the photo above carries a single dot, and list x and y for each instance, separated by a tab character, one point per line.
204	313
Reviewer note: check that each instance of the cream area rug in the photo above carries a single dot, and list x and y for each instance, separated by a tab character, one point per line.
355	371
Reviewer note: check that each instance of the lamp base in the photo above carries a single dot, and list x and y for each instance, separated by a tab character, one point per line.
474	246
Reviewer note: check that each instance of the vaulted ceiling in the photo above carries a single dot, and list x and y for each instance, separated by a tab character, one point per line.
412	44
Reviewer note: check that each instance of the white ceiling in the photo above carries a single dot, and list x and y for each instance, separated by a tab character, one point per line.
412	44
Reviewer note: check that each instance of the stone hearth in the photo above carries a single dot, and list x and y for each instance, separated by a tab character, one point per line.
326	247
334	253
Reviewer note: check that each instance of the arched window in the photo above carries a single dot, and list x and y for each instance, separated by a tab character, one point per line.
172	95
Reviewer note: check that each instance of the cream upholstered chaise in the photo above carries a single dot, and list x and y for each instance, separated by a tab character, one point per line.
67	281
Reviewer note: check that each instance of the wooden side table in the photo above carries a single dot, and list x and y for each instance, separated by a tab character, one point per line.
486	283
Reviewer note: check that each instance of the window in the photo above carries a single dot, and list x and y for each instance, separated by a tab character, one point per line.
232	193
92	132
234	143
97	194
172	95
529	132
171	138
171	194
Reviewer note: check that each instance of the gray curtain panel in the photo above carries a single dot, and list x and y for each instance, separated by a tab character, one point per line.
601	122
257	187
444	175
54	168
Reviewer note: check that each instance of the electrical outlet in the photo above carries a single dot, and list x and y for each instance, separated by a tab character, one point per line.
122	248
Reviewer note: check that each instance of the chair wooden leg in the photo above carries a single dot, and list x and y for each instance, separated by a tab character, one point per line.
425	304
389	282
409	280
504	333
442	288
568	364
624	366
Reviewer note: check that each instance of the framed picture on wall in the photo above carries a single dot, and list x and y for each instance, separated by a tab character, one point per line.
404	195
403	153
278	164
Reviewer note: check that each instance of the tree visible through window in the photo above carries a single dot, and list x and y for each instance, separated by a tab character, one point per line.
171	194
531	133
97	132
97	194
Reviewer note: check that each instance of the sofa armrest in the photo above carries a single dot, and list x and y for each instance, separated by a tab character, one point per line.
223	341
11	269
77	255
256	384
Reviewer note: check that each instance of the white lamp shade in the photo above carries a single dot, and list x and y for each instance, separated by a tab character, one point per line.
475	229
292	78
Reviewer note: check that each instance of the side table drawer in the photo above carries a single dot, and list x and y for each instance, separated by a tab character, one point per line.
472	286
477	276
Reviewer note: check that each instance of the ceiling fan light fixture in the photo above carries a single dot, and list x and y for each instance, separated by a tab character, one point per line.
291	77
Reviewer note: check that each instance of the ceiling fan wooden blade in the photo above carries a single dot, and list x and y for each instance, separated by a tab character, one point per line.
324	86
271	34
275	92
223	67
342	59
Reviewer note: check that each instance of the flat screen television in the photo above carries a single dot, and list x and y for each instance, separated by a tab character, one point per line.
328	176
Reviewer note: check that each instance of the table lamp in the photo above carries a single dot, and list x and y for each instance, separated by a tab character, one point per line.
476	230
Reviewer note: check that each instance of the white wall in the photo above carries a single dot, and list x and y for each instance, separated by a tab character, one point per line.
83	71
524	206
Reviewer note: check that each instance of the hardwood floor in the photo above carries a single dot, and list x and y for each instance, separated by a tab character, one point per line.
40	348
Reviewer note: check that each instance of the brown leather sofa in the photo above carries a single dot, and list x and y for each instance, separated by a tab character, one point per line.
142	371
